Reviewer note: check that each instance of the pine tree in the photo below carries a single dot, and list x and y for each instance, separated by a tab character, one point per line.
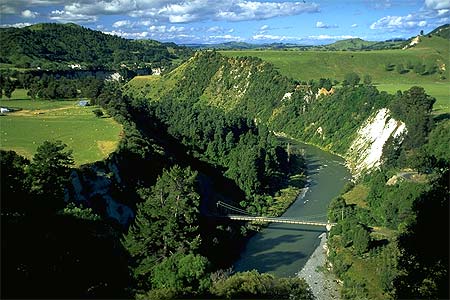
166	223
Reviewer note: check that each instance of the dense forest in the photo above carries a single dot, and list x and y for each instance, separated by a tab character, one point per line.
55	46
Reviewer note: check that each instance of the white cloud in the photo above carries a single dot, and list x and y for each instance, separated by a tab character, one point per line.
330	37
66	16
443	12
214	29
437	4
320	24
267	37
228	37
29	14
354	25
130	35
16	25
182	11
431	15
8	7
398	22
264	27
121	23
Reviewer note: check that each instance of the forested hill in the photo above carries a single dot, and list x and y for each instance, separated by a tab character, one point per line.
57	45
253	88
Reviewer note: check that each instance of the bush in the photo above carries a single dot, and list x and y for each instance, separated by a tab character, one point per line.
98	112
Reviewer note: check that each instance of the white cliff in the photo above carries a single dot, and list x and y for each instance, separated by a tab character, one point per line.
366	150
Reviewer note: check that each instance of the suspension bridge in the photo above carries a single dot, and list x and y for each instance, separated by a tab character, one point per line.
245	216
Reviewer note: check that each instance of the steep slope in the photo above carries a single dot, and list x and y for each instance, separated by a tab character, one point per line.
252	88
38	44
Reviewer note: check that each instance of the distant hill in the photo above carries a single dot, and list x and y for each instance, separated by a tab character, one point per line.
343	45
44	45
350	44
245	46
442	31
360	44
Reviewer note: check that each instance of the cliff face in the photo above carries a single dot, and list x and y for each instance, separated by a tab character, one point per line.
366	150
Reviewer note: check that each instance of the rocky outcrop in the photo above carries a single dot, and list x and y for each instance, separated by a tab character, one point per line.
366	150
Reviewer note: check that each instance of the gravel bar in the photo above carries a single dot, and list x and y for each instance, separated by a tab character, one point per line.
323	284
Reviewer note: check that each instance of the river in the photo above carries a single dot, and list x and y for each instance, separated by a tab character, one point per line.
283	249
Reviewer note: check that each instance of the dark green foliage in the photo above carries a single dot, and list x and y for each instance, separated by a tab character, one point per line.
182	274
57	45
401	69
424	261
414	108
419	68
250	155
253	285
367	80
438	141
389	67
166	222
49	172
361	239
98	112
7	85
351	79
14	186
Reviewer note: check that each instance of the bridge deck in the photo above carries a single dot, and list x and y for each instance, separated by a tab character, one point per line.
279	220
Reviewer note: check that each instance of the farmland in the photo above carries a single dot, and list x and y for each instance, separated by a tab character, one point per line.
306	65
91	138
440	91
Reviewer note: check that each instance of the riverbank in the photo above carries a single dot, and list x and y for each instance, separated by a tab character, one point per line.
323	284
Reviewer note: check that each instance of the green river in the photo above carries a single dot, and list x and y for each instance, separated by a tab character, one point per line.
283	249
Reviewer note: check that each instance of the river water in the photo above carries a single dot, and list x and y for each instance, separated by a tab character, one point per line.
283	249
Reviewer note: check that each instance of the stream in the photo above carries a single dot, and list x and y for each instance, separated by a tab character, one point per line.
283	249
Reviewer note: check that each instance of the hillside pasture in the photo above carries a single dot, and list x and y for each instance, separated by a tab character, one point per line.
306	65
91	138
440	91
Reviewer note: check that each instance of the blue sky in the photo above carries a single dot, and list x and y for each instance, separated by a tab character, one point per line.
216	21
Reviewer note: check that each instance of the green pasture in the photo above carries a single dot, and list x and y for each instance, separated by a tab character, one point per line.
440	91
306	65
90	138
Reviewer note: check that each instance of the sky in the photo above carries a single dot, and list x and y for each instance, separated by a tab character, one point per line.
303	22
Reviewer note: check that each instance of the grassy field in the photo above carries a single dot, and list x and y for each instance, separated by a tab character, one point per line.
357	195
89	137
440	91
306	65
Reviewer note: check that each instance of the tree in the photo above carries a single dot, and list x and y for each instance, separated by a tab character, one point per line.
182	274
49	173
367	79
253	285
401	69
8	86
361	239
98	112
419	68
14	187
351	79
414	108
165	223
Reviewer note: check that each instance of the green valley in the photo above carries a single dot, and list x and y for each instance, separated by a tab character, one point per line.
136	194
